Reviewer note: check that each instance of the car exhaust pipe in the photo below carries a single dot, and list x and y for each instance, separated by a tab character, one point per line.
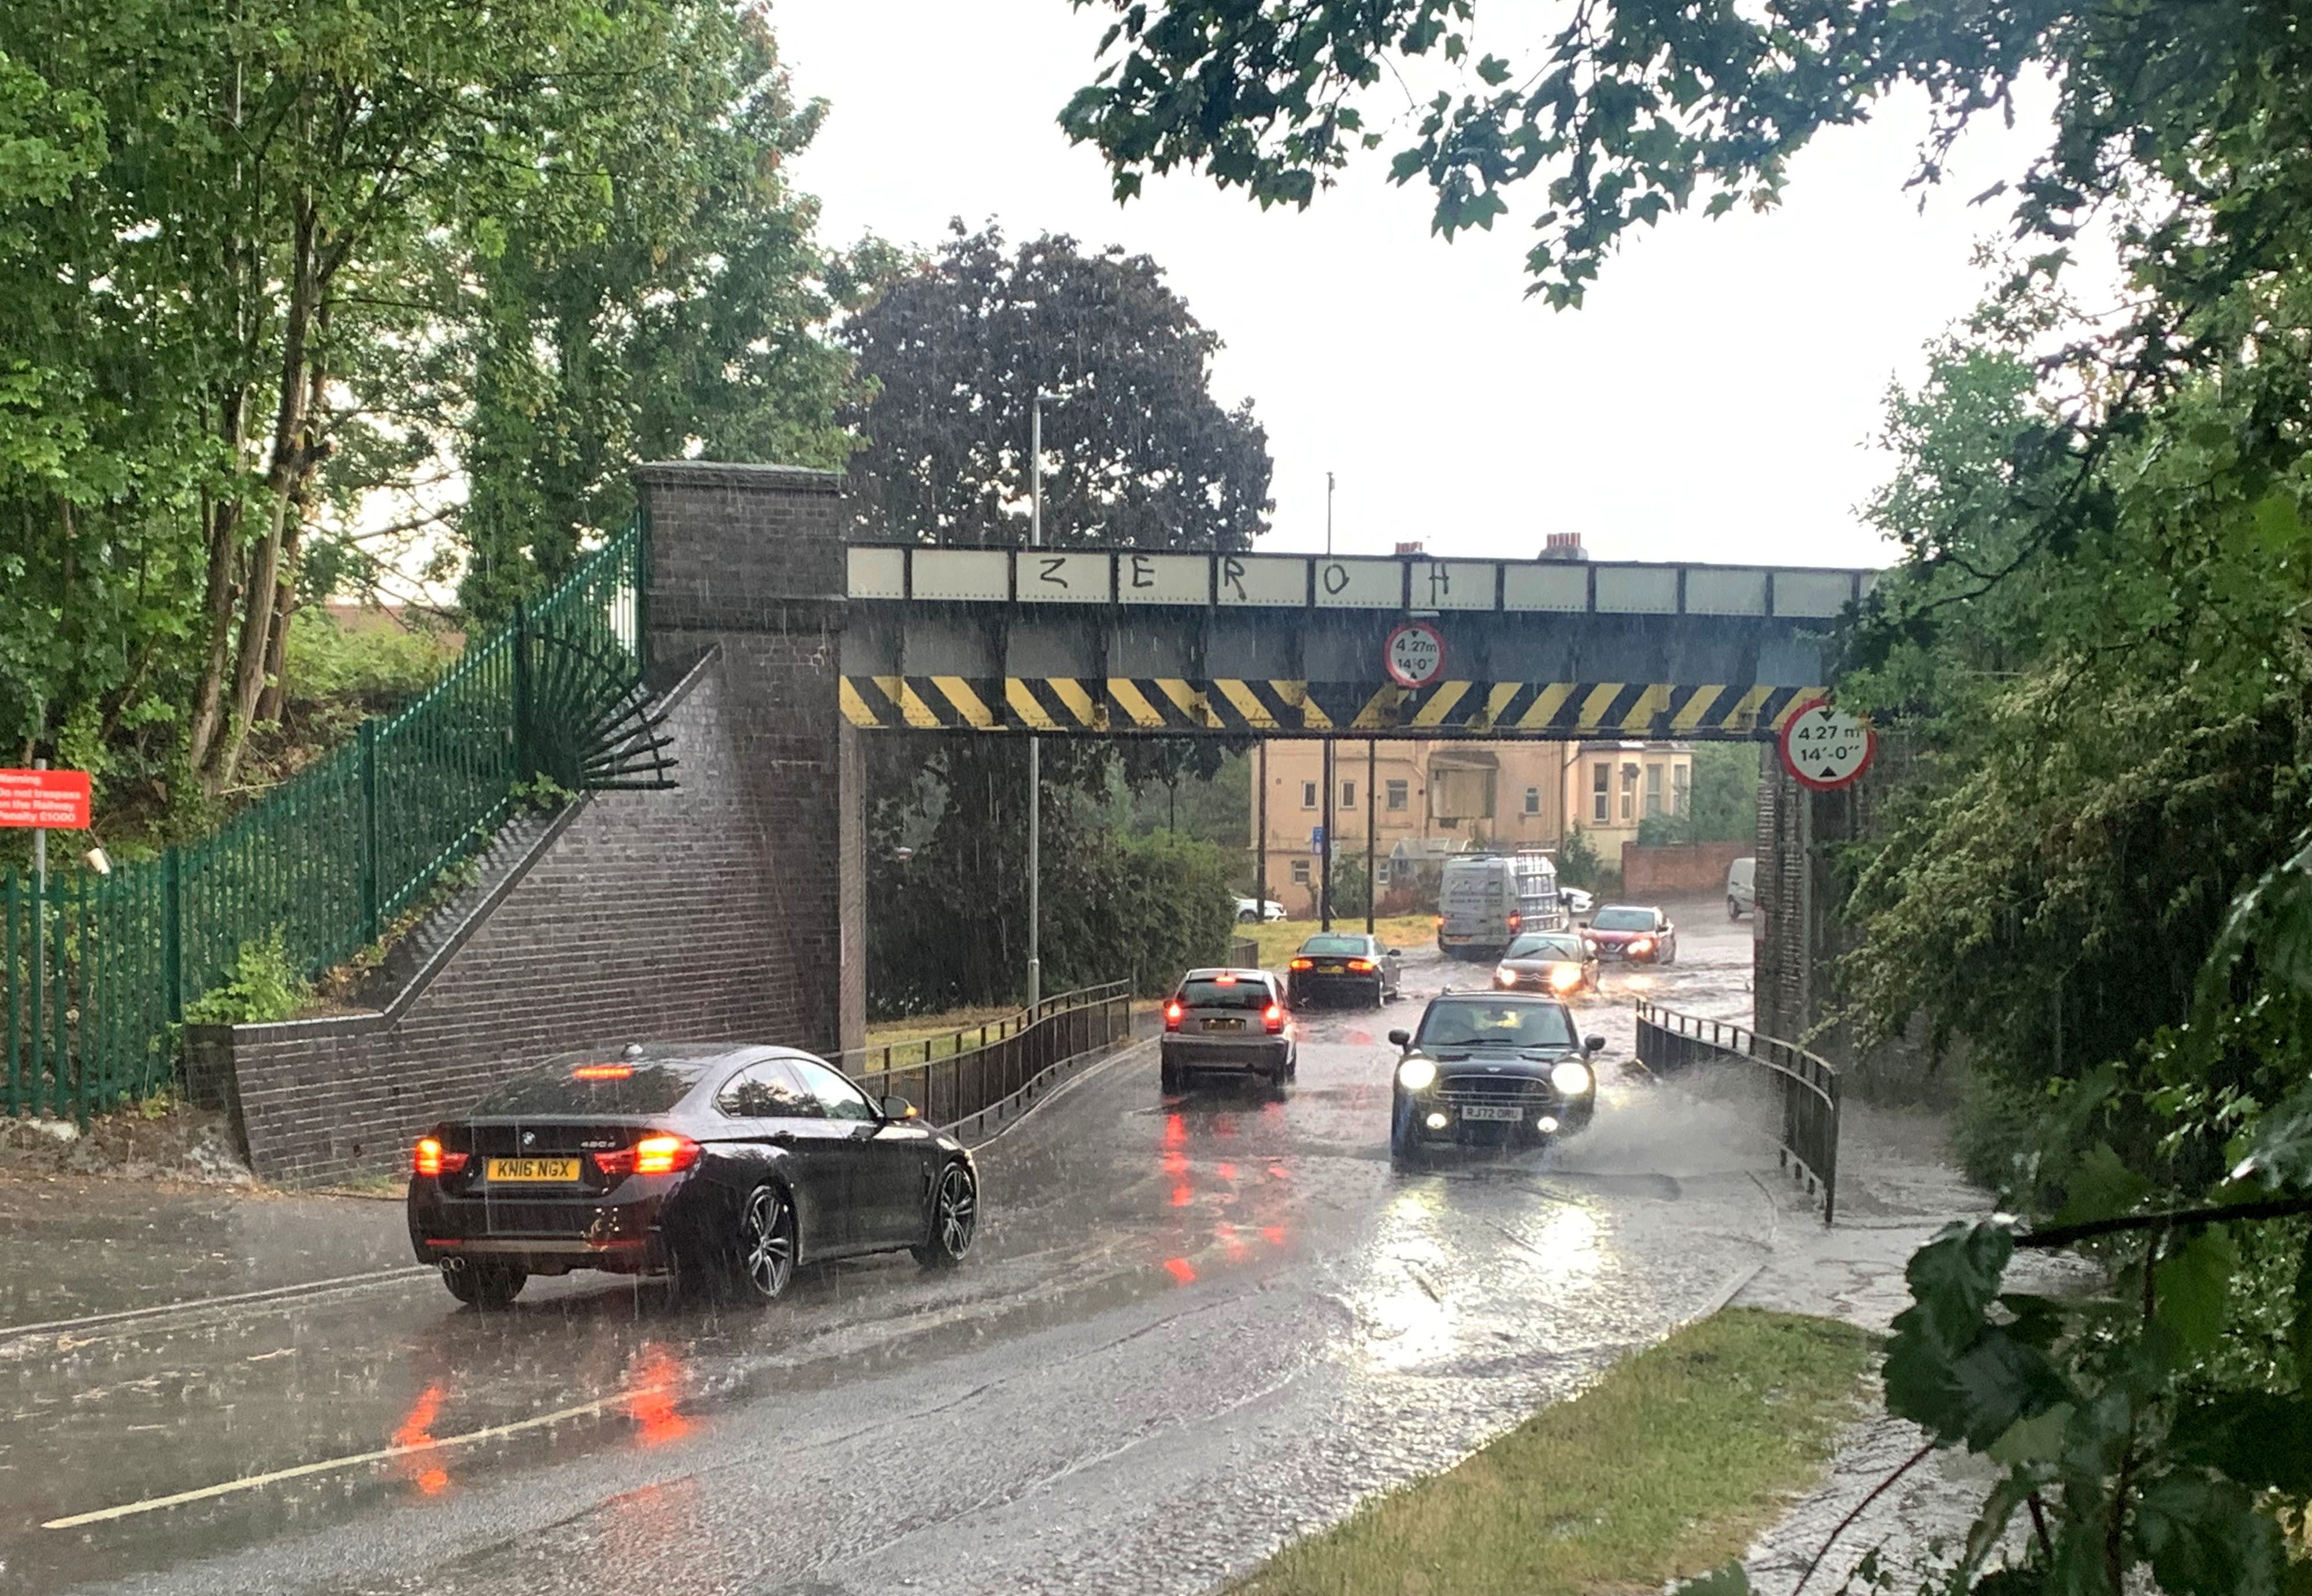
454	1265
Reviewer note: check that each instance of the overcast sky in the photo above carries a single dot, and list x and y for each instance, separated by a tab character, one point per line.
1717	398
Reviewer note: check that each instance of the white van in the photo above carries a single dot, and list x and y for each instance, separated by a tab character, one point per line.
1741	887
1483	900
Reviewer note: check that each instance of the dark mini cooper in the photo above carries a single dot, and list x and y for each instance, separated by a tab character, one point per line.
1501	1069
724	1166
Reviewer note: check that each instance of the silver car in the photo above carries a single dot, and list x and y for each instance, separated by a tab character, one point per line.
1228	1021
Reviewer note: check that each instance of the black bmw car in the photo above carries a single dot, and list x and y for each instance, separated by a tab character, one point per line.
724	1166
1348	966
1501	1069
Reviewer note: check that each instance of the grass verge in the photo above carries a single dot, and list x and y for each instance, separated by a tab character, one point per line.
1667	1468
1279	938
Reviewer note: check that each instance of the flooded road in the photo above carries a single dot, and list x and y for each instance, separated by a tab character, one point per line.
1190	1329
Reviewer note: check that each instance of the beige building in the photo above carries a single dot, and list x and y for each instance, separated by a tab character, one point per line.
1430	800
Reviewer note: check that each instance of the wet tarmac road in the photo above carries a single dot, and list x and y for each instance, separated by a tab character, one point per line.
1190	1329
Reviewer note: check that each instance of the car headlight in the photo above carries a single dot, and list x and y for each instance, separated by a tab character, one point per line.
1503	976
1572	1078
1415	1074
1565	977
1644	944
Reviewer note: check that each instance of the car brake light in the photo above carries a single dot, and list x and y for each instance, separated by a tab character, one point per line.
602	1071
1274	1016
1224	980
664	1155
430	1158
1516	919
1302	964
1172	1013
1364	965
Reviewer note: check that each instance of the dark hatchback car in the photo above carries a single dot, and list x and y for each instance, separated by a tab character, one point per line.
724	1166
1501	1069
1338	965
1641	935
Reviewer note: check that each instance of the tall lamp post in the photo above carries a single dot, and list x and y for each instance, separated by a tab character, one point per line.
1035	745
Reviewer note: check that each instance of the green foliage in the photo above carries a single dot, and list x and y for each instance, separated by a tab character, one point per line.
263	986
1137	450
1112	906
1722	804
268	267
1352	891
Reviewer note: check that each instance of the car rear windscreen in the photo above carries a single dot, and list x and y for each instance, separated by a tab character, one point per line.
1334	945
589	1087
1202	994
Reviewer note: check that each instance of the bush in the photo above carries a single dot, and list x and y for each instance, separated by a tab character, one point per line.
1159	904
264	986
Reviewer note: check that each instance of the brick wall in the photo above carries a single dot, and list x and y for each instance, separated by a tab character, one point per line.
730	908
1678	870
646	914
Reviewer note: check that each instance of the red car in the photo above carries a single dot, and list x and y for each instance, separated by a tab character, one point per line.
1641	935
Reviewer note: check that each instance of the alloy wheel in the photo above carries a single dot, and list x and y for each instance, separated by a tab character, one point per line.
957	1213
766	1242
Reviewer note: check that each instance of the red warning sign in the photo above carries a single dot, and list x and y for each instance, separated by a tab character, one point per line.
53	800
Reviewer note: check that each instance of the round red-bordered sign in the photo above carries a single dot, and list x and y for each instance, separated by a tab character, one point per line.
1826	749
1415	654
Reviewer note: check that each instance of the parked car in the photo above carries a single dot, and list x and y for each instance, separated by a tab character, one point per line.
1485	899
1577	899
1236	1021
1250	911
725	1166
1562	962
1343	966
1741	887
1503	1069
1641	935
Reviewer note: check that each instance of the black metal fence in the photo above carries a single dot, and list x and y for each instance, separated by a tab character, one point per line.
1806	1085
966	1074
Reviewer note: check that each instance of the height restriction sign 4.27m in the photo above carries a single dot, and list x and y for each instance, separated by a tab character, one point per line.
1825	748
1415	654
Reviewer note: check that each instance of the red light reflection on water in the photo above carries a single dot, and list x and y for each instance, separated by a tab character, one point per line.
656	1378
1273	1232
1180	1269
416	1430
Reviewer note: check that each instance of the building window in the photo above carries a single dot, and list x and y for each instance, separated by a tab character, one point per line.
1533	801
1382	871
1629	793
1653	790
1601	792
1682	788
1348	794
1307	795
1299	873
1399	793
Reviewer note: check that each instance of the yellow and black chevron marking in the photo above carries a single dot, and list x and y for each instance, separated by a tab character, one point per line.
1132	705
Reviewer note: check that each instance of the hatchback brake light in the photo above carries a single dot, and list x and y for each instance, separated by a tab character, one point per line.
1275	1017
1172	1013
429	1157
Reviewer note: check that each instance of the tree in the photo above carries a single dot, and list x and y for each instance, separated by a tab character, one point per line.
1137	450
1722	803
261	262
683	314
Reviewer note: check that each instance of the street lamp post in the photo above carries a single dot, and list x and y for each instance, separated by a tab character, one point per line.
1035	746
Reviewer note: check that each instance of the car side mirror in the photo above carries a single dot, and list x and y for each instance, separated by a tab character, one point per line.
895	1107
1400	1038
1596	1044
1396	952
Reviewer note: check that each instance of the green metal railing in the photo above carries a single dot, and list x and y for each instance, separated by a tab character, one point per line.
97	975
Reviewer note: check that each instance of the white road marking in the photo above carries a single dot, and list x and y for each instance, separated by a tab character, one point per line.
352	1461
